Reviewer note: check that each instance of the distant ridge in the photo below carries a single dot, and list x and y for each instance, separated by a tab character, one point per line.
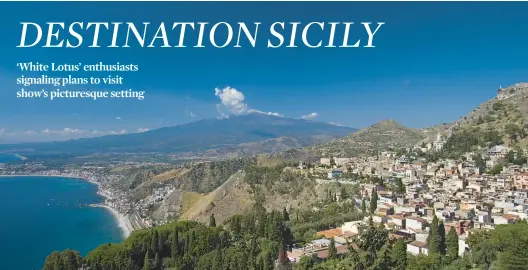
257	132
378	137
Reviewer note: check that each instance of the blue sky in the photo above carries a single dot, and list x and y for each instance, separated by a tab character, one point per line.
433	62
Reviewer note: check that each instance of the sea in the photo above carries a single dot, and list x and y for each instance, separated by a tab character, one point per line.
41	214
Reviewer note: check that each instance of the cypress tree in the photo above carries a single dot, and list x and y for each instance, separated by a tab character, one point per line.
157	262
161	244
399	255
147	265
442	234
332	251
285	215
212	221
363	206
344	194
154	240
452	244
373	201
434	237
175	244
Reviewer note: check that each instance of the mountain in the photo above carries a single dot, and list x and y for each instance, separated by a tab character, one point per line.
378	137
230	136
501	120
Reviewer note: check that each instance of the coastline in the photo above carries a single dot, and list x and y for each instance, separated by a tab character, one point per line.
122	220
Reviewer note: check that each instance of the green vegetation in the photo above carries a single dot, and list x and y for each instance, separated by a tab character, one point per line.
259	240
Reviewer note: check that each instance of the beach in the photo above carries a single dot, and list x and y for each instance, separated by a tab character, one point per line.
122	220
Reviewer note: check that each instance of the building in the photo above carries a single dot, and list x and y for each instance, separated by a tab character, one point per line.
498	152
335	173
417	247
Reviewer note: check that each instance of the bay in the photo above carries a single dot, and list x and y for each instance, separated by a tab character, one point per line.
41	214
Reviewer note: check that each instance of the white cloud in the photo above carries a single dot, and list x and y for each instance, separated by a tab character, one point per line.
118	118
233	101
335	124
142	130
310	116
267	113
29	132
112	132
75	132
65	132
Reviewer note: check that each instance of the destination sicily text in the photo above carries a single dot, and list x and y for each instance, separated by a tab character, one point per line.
198	34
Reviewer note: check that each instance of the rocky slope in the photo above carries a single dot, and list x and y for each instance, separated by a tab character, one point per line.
506	114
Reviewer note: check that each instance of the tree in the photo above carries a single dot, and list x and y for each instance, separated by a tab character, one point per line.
305	263
175	244
212	221
161	244
157	262
479	162
147	265
400	188
434	239
442	234
344	194
497	169
513	131
332	251
371	240
363	206
482	250
285	215
154	240
373	201
452	244
384	259
480	120
283	263
332	162
511	156
399	255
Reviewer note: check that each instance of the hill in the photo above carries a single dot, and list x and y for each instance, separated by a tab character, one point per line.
378	137
501	120
244	135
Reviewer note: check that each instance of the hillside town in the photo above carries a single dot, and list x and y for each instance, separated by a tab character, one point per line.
473	193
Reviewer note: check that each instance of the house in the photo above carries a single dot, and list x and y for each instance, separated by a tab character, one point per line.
417	247
460	226
505	219
399	222
340	249
415	223
352	226
498	152
401	234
